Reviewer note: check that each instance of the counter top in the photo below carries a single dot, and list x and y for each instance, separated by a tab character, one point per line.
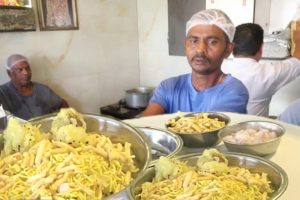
286	155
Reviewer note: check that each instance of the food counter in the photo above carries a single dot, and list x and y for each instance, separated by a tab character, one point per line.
286	155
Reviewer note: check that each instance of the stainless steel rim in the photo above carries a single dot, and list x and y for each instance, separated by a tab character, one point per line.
178	139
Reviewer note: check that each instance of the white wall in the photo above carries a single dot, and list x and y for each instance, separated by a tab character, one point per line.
282	12
156	64
90	67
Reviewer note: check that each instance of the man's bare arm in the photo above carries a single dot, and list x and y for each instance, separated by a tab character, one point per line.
153	109
64	104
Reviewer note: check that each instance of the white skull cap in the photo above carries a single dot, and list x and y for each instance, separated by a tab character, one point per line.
212	17
14	59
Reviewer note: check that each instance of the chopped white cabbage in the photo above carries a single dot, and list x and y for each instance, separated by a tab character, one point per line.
65	117
212	161
19	137
167	168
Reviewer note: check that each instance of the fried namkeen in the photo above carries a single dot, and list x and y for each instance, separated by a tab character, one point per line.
67	164
214	182
195	124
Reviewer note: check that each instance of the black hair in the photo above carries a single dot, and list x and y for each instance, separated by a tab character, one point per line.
248	39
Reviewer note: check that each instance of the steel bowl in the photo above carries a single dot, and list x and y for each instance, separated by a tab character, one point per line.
3	123
4	119
118	132
261	149
163	143
204	139
277	176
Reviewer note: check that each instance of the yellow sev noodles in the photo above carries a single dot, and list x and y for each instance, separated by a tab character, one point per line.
52	169
203	186
195	124
193	184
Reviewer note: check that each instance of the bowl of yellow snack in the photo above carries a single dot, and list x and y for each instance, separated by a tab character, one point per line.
198	129
212	175
69	155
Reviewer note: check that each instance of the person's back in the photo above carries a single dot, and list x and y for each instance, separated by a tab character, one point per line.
262	79
22	97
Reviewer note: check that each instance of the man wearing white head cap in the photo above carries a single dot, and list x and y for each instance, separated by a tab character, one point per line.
209	35
22	97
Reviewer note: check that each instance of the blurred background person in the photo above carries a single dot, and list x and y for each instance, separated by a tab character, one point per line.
262	80
24	98
291	114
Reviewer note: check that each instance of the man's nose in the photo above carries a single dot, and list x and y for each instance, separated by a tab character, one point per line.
25	71
201	47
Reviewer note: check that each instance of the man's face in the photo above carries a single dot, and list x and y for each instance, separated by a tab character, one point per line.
205	47
20	73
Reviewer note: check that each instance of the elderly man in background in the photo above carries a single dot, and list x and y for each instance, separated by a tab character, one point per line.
262	80
22	97
209	34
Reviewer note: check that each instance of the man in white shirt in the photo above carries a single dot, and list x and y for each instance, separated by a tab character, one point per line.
262	80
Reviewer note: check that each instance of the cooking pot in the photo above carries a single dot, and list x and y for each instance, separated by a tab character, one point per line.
138	97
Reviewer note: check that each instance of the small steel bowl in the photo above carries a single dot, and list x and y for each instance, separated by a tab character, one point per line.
205	139
163	143
3	123
118	132
277	176
261	149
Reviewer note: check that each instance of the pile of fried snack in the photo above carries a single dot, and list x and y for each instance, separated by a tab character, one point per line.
210	179
200	123
66	163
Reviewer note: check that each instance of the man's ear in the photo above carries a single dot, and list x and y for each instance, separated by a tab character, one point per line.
261	47
8	73
229	49
184	45
259	53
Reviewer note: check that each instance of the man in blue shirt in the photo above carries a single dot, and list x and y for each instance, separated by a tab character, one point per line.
209	35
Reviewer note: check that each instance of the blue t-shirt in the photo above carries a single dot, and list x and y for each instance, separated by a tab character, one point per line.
178	94
42	101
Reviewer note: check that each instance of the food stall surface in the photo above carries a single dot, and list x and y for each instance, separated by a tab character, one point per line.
284	156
